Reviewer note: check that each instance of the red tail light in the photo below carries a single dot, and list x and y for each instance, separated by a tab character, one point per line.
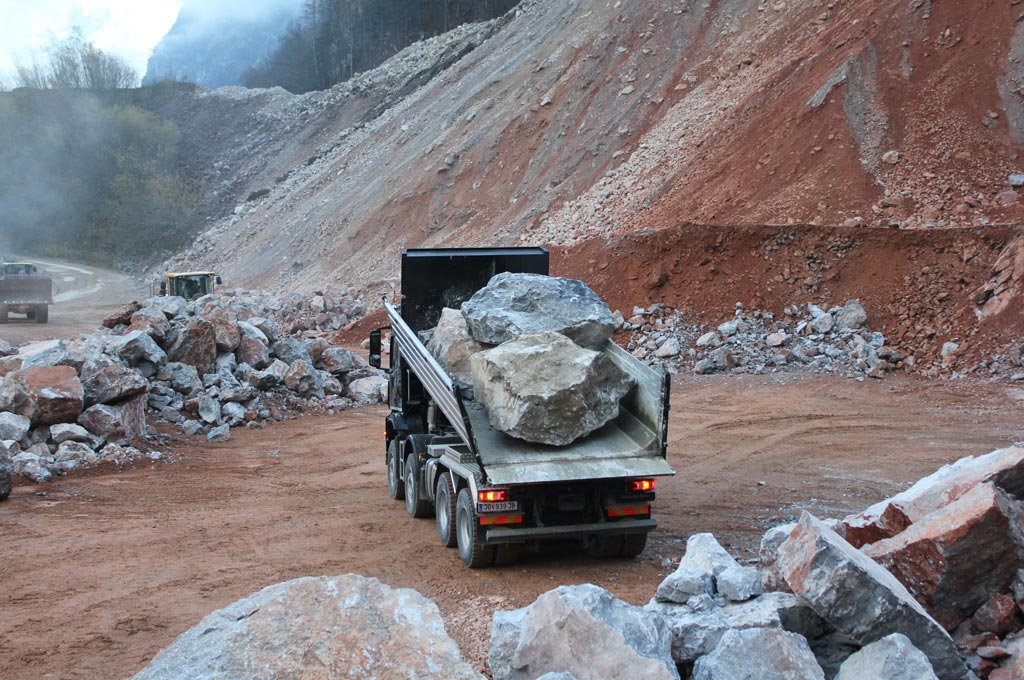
643	485
492	496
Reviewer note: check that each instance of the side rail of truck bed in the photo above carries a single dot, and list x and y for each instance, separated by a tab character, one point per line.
434	378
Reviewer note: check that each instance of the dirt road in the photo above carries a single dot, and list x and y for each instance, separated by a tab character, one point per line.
102	570
83	295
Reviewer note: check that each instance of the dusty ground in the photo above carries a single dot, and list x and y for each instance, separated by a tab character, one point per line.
104	569
83	295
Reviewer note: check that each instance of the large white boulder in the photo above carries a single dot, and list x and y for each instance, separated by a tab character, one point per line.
513	304
544	388
453	346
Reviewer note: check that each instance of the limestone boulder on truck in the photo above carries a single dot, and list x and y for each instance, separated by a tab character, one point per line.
25	289
494	495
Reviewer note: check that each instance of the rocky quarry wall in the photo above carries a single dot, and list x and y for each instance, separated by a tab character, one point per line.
927	584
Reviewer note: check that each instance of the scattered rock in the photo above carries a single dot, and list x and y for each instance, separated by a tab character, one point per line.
113	383
6	473
119	423
768	556
137	346
858	596
356	625
851	316
372	390
13	427
704	553
30	465
999	615
544	388
739	584
762	653
583	630
513	304
220	434
1004	467
69	432
44	395
893	657
684	583
196	346
956	558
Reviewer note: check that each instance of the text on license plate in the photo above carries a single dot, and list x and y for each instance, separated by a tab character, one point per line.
504	506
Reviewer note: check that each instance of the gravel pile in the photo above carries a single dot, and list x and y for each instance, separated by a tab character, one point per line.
805	338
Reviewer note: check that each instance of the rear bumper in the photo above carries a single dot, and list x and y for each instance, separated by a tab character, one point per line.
637	526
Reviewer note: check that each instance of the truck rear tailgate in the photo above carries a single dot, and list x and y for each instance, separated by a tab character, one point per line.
25	290
622	448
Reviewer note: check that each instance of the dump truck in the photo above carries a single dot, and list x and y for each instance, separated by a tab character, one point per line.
189	285
25	289
492	495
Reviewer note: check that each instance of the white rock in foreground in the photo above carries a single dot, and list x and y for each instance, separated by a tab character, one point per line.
583	630
894	657
762	653
347	626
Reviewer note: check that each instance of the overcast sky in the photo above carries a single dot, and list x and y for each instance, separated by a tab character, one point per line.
127	28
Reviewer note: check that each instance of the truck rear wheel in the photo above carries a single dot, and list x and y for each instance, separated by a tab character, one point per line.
444	504
42	314
396	488
417	507
634	544
605	546
467	528
508	554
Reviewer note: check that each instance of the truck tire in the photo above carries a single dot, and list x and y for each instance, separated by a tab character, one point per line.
606	546
42	314
467	528
416	506
396	487
634	544
3	313
507	554
444	504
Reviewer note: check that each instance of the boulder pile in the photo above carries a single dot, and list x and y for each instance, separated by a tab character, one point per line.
805	338
226	360
526	344
928	584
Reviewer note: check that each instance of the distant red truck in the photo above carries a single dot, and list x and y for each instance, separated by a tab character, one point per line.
25	289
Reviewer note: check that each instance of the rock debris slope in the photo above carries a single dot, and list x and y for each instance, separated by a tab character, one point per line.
567	119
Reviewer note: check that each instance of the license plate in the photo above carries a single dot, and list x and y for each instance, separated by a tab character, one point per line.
505	506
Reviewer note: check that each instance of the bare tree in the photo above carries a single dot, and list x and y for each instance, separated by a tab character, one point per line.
75	63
